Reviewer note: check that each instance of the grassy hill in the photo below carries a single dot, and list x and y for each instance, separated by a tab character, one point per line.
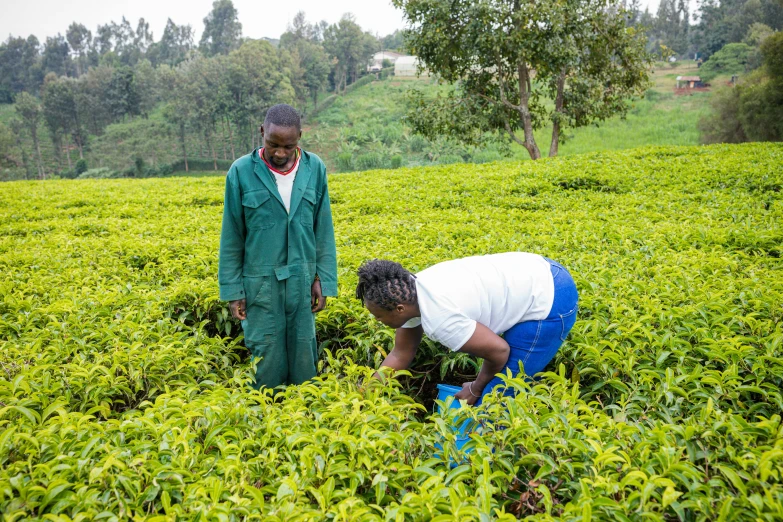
123	384
364	129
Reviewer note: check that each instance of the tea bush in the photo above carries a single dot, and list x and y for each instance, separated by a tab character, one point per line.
124	382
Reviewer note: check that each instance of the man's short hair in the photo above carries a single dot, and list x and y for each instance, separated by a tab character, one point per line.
282	115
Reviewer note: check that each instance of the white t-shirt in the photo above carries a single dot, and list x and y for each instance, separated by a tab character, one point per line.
498	291
285	182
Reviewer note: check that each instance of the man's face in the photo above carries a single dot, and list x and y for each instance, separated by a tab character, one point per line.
280	144
394	318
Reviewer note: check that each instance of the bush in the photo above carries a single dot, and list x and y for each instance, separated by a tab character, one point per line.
325	104
392	134
753	109
448	159
486	157
733	58
345	162
396	161
369	161
81	166
138	165
200	164
417	143
101	173
364	80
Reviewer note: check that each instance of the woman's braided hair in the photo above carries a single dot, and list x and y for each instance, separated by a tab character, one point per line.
386	284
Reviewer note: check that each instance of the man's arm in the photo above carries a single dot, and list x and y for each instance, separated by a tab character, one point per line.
406	343
326	251
232	243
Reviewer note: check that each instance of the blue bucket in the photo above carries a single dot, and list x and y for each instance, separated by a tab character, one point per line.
463	434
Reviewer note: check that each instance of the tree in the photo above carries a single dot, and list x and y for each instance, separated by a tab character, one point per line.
20	67
93	100
734	58
753	109
350	47
79	38
145	83
727	21
508	58
29	110
7	143
258	81
174	46
757	33
61	114
17	127
315	65
179	110
103	42
222	30
55	115
123	95
394	41
56	56
311	70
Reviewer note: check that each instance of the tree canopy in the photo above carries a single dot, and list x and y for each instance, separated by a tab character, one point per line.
518	66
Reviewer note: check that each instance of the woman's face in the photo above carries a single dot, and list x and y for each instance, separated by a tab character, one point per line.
394	318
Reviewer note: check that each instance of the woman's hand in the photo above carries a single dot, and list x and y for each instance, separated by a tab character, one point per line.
466	394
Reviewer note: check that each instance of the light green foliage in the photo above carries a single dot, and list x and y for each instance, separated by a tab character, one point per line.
733	58
124	388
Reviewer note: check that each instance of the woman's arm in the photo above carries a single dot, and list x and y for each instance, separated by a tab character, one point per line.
406	342
494	350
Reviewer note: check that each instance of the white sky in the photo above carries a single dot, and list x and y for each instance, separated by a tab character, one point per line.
259	18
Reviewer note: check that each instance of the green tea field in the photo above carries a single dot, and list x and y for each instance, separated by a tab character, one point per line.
124	383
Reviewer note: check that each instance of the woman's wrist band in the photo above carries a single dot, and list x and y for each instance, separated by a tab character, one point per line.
470	389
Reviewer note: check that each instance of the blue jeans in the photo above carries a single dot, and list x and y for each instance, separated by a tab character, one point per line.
534	343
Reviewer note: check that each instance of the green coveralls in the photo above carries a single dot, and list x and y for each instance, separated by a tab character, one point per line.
270	258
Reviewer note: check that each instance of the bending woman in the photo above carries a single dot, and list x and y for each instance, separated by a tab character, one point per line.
467	304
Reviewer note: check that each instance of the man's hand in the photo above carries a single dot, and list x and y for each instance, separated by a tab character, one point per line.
317	300
466	395
238	309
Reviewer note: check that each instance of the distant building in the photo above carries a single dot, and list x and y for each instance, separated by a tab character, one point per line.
376	64
689	82
407	66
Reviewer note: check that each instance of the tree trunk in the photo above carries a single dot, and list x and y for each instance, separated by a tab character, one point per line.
41	172
211	148
524	103
557	114
223	139
24	158
523	74
184	147
231	139
67	155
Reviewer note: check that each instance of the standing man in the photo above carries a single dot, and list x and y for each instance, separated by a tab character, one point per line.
278	260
